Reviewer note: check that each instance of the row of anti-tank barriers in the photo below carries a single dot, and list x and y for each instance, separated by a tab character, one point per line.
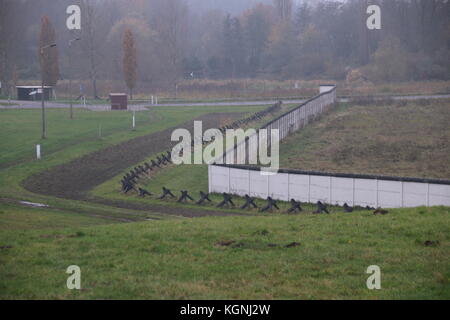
357	190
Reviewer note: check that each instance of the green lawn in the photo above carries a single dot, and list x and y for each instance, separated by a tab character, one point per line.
16	218
181	259
23	128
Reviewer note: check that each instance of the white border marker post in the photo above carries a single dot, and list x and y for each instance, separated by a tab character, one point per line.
38	151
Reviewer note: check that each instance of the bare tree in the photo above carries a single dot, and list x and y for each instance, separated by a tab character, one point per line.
284	8
425	9
5	43
48	58
364	52
129	60
91	41
171	26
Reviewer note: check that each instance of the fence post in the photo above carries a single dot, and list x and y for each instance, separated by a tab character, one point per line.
38	151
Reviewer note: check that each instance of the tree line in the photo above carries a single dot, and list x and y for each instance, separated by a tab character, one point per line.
161	42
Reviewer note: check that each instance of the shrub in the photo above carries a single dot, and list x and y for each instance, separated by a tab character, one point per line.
390	62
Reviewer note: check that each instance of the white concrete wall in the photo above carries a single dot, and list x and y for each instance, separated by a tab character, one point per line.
239	182
219	180
366	192
328	189
326	88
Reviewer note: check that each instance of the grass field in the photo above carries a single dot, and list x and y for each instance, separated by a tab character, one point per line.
23	127
187	258
169	257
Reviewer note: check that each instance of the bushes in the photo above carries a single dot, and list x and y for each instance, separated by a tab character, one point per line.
389	62
392	62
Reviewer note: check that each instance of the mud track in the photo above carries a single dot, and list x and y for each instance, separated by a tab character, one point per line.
74	180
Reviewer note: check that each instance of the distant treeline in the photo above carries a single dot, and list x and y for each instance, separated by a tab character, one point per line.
277	40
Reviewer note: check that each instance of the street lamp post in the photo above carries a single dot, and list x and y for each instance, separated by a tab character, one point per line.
42	89
70	78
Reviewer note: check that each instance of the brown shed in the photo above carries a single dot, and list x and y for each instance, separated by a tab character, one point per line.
119	101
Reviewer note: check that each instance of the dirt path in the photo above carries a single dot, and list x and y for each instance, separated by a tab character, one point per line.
74	180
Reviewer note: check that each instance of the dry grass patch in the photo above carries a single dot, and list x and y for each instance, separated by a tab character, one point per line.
400	139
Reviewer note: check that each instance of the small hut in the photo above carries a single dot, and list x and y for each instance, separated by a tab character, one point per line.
31	93
119	101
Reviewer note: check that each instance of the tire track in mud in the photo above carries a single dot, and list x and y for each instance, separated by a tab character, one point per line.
75	179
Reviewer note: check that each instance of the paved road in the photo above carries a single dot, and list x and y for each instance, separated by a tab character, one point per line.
53	105
296	101
144	106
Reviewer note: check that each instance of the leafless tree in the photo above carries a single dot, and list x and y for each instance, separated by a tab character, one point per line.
171	26
5	43
91	41
284	8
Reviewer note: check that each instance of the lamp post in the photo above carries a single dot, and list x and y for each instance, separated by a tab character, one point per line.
70	78
42	89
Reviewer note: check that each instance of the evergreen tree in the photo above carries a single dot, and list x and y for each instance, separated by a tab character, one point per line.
129	60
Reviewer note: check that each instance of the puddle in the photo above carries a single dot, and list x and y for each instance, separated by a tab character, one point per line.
34	205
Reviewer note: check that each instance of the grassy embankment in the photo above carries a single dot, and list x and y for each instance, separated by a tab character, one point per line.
190	259
182	258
